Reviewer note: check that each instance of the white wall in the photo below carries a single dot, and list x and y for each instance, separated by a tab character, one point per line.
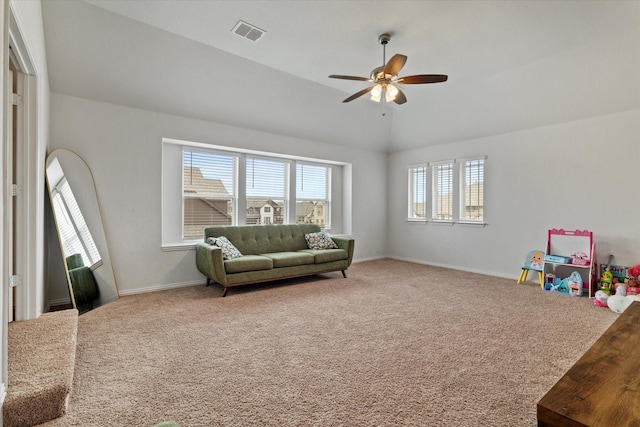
577	175
123	148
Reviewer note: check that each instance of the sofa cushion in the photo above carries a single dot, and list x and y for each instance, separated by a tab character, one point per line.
248	263
228	250
290	259
320	240
327	255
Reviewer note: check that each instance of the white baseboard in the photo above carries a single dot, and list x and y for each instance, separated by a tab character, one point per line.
164	287
460	268
355	261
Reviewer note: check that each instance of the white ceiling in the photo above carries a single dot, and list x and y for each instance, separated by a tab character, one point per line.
511	64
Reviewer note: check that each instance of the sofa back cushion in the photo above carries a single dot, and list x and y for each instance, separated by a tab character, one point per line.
263	239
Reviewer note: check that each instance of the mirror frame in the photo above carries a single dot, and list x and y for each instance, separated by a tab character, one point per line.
88	204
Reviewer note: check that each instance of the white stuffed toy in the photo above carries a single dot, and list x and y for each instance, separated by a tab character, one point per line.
620	301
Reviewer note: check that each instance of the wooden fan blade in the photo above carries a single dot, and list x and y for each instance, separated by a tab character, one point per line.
362	79
400	98
395	64
421	79
359	94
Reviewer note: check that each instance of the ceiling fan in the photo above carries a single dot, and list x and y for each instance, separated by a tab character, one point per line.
385	78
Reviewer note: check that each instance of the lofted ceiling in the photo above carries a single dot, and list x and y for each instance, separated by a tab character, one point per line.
511	64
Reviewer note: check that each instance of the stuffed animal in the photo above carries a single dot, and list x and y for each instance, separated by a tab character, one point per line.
634	272
620	301
630	281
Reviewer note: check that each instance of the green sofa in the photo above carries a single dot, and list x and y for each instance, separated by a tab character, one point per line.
83	283
269	252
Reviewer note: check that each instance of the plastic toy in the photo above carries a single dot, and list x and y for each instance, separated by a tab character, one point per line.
606	280
574	282
600	299
571	285
579	258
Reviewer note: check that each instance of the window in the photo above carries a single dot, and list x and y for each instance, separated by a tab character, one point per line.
442	195
75	236
205	185
472	190
208	190
417	192
456	191
313	194
266	190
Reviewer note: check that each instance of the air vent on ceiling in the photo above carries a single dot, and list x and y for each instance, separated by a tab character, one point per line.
248	31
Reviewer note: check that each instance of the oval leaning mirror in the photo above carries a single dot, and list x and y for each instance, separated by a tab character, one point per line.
78	220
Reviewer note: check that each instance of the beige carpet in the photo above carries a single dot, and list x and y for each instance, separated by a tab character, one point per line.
41	358
395	344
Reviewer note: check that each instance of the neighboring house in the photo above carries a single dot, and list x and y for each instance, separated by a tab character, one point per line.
211	204
473	203
264	212
311	213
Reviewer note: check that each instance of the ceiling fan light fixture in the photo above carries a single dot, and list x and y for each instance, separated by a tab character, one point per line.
391	93
376	93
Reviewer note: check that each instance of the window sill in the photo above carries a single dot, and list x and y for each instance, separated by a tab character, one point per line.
473	223
185	246
444	222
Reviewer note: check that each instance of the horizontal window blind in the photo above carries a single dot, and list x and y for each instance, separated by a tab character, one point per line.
74	233
417	192
472	190
266	190
209	190
313	194
442	191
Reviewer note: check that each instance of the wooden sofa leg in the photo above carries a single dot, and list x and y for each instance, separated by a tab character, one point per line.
224	293
344	274
208	281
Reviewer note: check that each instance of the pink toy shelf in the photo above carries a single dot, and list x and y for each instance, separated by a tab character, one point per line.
571	250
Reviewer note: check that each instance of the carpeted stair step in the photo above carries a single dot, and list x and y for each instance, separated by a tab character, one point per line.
41	359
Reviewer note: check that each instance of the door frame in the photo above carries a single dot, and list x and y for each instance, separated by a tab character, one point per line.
29	172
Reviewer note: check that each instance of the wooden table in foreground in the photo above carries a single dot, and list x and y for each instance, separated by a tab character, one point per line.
603	387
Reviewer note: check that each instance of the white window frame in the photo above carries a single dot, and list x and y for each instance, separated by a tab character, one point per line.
234	184
457	186
436	177
327	198
285	194
340	190
414	194
463	165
